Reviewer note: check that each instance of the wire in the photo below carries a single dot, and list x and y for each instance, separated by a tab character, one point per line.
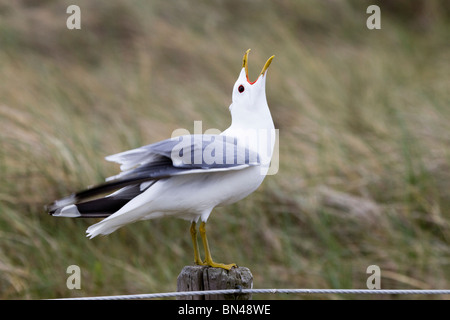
269	291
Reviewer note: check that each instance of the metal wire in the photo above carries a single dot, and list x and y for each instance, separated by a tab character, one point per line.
268	291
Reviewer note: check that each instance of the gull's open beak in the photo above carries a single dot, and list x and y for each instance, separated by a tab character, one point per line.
245	65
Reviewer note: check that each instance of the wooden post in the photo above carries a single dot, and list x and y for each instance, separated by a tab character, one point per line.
197	278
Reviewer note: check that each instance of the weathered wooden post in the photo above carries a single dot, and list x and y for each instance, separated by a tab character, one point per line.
198	278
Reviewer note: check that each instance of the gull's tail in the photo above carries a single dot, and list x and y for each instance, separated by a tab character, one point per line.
92	203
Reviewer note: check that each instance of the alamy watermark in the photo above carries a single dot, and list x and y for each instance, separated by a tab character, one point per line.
210	149
374	20
374	280
74	20
74	280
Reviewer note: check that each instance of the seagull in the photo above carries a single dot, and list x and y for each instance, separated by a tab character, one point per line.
186	176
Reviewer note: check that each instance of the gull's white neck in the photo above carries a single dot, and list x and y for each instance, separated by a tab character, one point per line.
255	130
243	119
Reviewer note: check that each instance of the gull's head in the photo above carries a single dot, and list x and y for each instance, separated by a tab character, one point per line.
249	97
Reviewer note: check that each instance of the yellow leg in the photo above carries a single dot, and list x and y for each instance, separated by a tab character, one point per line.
208	258
197	258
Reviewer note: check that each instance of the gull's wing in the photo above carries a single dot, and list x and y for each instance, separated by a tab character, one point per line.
184	155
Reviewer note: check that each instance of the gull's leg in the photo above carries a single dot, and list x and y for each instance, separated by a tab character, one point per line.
197	258
208	258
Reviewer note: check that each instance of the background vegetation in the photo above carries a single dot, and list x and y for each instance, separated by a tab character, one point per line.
364	139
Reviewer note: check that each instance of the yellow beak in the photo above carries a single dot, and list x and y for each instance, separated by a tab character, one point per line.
245	65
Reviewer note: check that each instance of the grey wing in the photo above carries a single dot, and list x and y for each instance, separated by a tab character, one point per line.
187	154
190	154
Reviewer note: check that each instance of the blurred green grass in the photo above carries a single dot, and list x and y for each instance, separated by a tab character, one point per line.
364	139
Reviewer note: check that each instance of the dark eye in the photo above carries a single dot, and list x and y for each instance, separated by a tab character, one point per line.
241	88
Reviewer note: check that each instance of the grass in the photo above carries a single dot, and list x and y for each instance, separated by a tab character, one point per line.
363	119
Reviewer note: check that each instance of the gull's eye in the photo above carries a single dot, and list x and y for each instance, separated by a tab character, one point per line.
241	88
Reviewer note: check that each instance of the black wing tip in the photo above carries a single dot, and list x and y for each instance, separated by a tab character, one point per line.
53	207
